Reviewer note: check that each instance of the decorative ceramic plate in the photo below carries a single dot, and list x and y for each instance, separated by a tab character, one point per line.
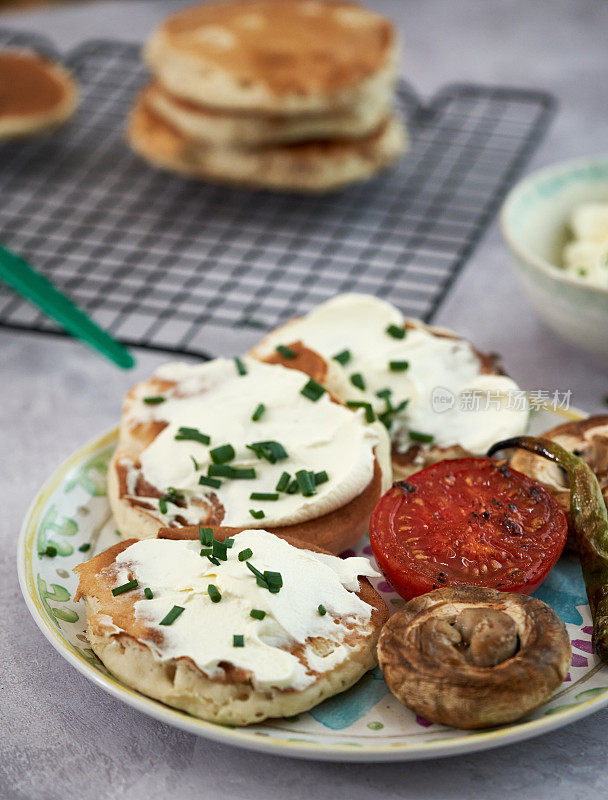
365	723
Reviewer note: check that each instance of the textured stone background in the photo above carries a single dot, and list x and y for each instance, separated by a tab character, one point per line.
60	736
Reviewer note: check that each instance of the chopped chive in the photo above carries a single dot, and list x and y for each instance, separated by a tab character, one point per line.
239	473
172	615
259	575
214	593
273	579
257	613
305	482
205	535
213	482
396	332
263	496
191	435
343	357
50	551
270	451
245	554
220	550
154	401
398	366
162	504
240	367
257	514
126	587
293	487
206	551
369	411
313	390
195	464
214	561
357	380
219	470
229	543
283	482
148	593
258	412
84	547
222	454
322	610
117	532
384	393
425	438
238	640
321	477
286	352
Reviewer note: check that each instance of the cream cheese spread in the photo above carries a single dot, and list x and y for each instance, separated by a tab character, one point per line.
278	650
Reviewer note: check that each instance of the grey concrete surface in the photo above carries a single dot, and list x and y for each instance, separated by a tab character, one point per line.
60	736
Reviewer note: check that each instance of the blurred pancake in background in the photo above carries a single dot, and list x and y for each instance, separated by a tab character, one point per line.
35	94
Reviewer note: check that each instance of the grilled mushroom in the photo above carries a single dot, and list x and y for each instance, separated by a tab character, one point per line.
588	439
471	657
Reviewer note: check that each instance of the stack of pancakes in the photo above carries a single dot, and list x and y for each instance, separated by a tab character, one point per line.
282	94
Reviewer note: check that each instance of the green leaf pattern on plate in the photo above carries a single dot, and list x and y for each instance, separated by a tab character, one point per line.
91	475
58	595
51	527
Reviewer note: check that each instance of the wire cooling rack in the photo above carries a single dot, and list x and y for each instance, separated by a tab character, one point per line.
170	264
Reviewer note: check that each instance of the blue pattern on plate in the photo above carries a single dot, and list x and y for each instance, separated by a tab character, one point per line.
344	709
564	590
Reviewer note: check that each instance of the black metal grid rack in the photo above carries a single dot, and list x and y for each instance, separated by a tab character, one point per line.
166	263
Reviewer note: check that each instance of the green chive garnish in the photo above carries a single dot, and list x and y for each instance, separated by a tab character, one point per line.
369	411
191	435
84	547
206	551
283	482
312	390
321	477
322	610
213	482
220	550
243	473
257	613
270	451
357	380
214	593
263	496
126	587
51	551
195	463
222	454
240	367
172	615
286	352
214	561
398	366
238	640
257	514
219	470
245	554
425	438
343	357
154	401
258	412
260	579
274	581
384	393
306	482
396	332
229	542
162	504
293	487
205	535
148	593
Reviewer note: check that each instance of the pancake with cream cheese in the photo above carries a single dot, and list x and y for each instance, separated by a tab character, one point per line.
35	94
221	642
302	56
236	445
310	166
438	396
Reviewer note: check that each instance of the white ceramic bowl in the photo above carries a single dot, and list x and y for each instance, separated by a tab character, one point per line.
534	223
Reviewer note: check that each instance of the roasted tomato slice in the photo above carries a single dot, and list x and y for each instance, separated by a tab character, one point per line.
467	521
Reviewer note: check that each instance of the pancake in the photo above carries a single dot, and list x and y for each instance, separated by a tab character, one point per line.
316	166
290	656
161	477
225	128
275	56
35	94
439	396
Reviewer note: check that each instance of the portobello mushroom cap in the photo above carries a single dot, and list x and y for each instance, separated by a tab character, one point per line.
472	658
586	438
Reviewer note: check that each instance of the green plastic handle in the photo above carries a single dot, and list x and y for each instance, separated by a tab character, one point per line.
18	274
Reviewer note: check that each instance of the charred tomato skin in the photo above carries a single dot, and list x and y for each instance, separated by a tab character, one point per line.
467	521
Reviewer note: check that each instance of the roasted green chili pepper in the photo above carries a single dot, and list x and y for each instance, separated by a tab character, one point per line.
590	521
